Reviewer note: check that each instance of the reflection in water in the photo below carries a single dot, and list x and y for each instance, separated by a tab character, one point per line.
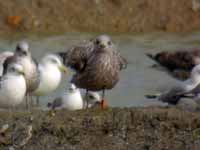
137	80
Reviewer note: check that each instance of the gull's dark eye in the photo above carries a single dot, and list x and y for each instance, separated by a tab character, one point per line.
97	42
13	69
24	53
18	49
109	43
91	97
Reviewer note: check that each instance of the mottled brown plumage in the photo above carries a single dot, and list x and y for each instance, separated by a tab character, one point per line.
102	68
76	57
178	63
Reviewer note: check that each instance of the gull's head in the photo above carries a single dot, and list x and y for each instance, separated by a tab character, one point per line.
103	42
22	49
15	69
195	74
72	88
93	97
54	60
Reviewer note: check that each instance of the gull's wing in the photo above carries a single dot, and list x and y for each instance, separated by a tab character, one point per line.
122	60
183	60
173	95
7	62
3	57
77	56
178	63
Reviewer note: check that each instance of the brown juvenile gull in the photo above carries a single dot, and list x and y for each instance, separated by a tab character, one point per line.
178	63
22	56
77	56
190	87
102	68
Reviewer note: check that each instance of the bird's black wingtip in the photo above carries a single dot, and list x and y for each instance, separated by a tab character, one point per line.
151	56
151	96
61	54
49	105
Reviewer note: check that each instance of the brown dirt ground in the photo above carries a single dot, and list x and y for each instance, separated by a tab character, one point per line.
119	129
118	16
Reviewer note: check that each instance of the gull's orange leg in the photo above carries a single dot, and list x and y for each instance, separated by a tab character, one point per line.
103	101
103	104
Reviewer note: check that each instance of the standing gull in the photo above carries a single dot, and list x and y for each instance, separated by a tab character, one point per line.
22	56
102	68
178	63
50	69
12	86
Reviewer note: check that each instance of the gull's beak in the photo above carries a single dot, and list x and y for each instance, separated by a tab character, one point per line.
21	72
63	69
102	45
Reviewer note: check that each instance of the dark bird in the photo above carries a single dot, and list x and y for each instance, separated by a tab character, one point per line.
179	63
101	69
77	56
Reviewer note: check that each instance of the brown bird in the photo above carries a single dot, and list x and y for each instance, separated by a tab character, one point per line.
101	69
77	56
179	63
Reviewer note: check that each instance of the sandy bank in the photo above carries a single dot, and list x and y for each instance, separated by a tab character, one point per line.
118	16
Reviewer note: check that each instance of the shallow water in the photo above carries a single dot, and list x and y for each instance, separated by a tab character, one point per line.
136	81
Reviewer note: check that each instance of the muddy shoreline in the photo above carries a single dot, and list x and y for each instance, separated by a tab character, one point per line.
150	128
107	16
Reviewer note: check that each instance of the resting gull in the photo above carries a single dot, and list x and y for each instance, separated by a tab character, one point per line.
92	99
72	100
189	87
101	69
12	86
178	63
50	73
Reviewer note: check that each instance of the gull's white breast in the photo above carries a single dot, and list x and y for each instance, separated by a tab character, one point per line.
72	101
50	77
12	91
